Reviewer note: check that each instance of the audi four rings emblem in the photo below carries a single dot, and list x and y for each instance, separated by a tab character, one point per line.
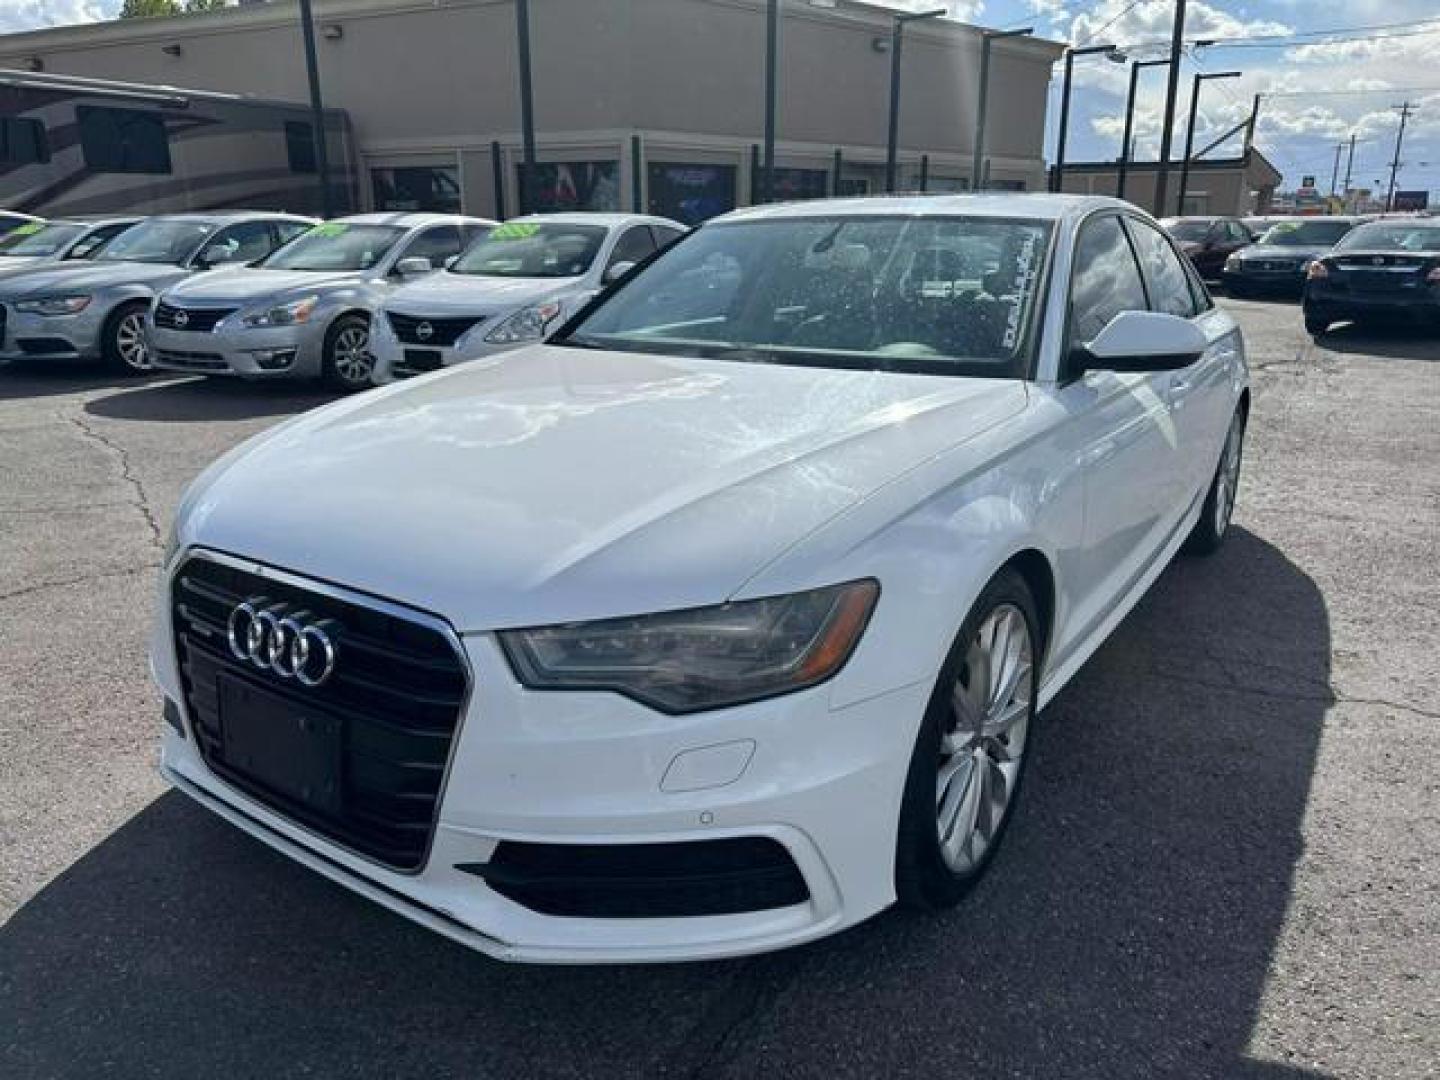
277	637
424	330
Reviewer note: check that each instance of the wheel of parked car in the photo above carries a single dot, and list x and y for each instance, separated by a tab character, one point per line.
348	363
970	756
1315	325
1209	531
123	342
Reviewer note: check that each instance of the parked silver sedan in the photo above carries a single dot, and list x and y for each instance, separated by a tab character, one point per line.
96	309
304	312
40	243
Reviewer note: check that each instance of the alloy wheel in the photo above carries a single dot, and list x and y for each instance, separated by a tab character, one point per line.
350	356
1228	478
981	753
130	343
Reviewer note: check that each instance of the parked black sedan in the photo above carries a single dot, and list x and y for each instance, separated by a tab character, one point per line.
1209	241
1277	262
1388	270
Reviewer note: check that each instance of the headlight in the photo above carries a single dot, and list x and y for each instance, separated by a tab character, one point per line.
527	325
53	305
1317	269
703	658
291	314
1232	263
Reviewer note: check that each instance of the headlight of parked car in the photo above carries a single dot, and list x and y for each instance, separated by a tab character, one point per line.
291	314
527	325
702	658
53	305
1232	263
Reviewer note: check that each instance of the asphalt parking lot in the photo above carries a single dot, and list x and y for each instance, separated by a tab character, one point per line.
1227	863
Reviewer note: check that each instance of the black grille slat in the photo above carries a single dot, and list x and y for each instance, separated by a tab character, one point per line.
398	709
197	320
443	331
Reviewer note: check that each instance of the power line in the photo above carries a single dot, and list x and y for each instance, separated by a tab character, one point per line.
1387	90
1337	36
1113	20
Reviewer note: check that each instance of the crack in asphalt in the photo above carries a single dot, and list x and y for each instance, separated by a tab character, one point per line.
41	586
141	501
715	1038
1334	697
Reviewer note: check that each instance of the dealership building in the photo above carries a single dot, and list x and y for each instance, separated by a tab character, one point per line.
638	104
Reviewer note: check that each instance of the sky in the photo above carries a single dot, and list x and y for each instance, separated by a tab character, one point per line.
1327	69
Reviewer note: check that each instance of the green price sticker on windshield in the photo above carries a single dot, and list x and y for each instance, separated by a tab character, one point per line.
329	228
28	228
514	230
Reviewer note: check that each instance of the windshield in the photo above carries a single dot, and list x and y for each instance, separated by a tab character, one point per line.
944	295
1188	232
1392	236
532	249
159	240
40	238
336	245
1306	233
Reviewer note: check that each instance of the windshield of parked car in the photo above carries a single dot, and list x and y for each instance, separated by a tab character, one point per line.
39	238
532	249
336	245
1392	236
1306	233
1188	232
159	240
944	295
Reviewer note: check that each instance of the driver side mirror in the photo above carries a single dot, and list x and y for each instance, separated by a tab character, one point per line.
216	255
1143	341
414	266
615	271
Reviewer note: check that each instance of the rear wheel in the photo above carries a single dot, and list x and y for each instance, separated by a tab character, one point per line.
348	363
969	759
122	341
1209	532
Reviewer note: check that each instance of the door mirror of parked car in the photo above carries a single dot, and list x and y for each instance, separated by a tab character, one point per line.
1143	341
414	266
216	255
615	271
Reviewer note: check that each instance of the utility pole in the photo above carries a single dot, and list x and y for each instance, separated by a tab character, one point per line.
772	56
317	111
1335	172
1405	110
1172	90
1349	163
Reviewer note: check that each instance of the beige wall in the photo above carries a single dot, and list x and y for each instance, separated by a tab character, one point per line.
1211	190
440	77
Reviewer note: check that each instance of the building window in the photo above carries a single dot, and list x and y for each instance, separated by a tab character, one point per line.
300	146
431	188
23	142
575	185
791	184
123	140
691	193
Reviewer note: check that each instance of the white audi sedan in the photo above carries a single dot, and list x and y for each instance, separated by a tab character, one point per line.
722	620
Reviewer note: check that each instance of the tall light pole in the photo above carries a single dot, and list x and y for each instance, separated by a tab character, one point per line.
1111	53
1349	164
896	34
1190	127
1405	110
527	104
977	175
1335	172
317	111
772	82
1167	124
1125	148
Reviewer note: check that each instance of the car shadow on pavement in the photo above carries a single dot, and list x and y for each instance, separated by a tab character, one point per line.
198	400
19	380
1390	342
1126	930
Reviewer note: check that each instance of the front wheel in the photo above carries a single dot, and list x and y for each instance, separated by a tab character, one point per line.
122	341
969	759
1315	325
1209	532
348	363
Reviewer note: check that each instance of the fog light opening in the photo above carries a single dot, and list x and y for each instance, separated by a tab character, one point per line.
274	359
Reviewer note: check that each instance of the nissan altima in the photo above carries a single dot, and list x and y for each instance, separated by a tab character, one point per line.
722	620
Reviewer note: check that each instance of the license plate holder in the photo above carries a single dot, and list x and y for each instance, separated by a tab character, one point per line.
293	750
424	359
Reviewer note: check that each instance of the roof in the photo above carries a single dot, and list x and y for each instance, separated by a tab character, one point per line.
1008	205
231	215
406	219
605	220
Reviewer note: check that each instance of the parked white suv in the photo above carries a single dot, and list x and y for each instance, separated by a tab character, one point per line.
721	621
513	288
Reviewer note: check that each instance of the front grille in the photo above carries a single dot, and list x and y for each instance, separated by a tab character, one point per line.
410	329
200	320
645	881
392	709
1378	261
195	361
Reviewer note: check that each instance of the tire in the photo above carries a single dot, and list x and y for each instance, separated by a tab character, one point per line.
1238	291
1315	325
123	346
346	342
949	758
1209	532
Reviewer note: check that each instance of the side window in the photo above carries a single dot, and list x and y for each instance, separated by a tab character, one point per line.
437	244
288	230
1239	233
23	141
123	140
1106	280
1168	283
90	244
635	245
246	242
472	231
665	236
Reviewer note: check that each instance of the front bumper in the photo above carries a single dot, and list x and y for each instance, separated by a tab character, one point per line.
395	359
283	352
1401	304
1289	279
595	768
48	337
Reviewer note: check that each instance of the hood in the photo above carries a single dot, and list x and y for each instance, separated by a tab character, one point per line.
10	265
91	275
468	294
241	284
1283	251
552	484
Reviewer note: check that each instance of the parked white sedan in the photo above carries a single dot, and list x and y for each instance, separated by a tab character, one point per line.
722	621
513	288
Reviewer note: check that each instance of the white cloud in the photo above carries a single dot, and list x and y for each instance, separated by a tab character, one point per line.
37	14
964	10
